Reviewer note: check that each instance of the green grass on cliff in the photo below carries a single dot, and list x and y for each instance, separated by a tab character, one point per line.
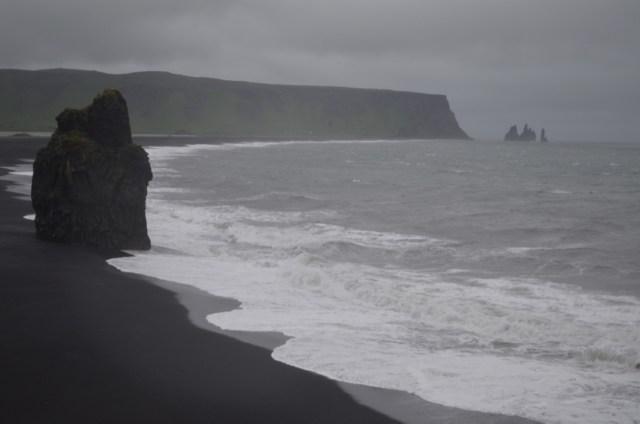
173	104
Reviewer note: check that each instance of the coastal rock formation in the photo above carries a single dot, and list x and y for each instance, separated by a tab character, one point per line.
527	134
543	136
513	134
90	181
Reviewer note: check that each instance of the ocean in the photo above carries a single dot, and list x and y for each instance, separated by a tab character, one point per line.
490	276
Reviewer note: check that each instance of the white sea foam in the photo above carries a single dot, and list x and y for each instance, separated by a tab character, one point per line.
159	154
275	195
469	344
20	177
560	192
523	250
526	347
22	173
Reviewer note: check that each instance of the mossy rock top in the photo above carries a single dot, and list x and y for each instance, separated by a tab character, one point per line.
105	121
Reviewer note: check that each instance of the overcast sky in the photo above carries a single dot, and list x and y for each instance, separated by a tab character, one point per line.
572	66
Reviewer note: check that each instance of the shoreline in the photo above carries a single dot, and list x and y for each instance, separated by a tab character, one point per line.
147	367
405	407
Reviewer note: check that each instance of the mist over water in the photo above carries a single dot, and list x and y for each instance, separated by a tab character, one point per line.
490	276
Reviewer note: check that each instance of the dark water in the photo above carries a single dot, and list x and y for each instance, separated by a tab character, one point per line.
494	276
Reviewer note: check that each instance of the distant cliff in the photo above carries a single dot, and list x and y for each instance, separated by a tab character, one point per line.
173	104
90	182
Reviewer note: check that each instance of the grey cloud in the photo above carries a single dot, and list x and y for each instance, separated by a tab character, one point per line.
571	65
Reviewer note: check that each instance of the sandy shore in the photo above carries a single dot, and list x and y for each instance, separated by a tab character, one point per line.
83	342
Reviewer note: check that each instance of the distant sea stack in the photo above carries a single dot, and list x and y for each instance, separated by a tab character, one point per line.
512	134
527	134
163	103
90	181
543	136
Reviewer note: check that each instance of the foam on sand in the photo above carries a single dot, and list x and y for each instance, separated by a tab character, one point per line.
518	346
20	176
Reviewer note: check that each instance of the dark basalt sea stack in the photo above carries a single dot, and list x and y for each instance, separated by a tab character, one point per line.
543	136
90	181
527	134
512	135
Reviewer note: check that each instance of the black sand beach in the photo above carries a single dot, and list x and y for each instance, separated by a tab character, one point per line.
83	342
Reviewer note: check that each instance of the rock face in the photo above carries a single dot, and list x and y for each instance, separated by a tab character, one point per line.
543	136
527	134
90	181
512	135
163	103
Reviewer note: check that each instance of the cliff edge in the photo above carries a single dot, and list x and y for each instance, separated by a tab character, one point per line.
164	103
90	181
